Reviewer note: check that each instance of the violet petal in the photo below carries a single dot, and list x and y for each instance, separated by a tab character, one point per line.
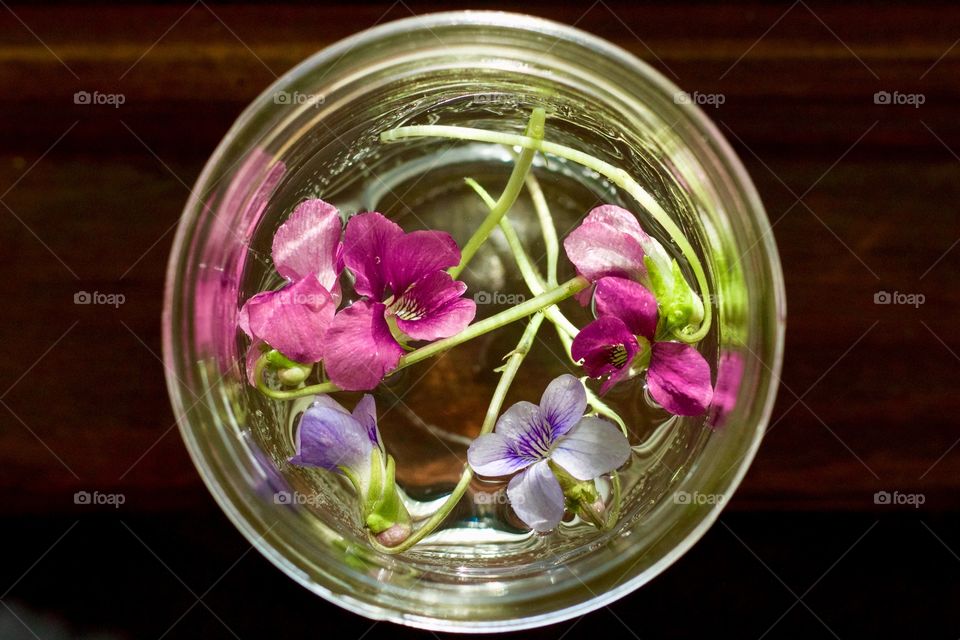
536	497
606	347
330	439
592	448
365	243
620	219
563	403
293	320
366	414
492	454
416	255
308	243
679	378
630	301
359	349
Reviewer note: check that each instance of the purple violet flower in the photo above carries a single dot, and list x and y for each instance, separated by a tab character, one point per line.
528	438
293	319
620	342
404	279
330	437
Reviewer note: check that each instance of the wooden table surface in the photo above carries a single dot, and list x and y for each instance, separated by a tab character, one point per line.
864	198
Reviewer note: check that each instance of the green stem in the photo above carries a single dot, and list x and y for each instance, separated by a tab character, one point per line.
616	175
507	198
615	501
514	360
517	312
527	270
547	228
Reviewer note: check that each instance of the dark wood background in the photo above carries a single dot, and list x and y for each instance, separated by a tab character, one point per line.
864	198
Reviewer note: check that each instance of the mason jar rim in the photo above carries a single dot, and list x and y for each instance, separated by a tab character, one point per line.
513	22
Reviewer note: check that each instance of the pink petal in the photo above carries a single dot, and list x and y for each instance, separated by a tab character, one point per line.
597	249
595	344
536	497
308	243
418	254
679	378
365	244
432	308
253	354
620	219
359	348
630	301
292	320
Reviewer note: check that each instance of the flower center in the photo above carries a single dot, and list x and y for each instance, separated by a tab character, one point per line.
407	308
535	444
617	355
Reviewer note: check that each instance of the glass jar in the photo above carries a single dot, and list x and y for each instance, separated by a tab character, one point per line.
315	133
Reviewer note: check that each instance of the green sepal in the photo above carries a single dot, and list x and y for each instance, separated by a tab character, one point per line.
383	507
576	492
680	306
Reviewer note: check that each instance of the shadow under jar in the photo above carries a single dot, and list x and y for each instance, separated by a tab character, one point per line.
315	133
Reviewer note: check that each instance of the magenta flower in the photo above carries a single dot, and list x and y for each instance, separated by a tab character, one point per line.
403	277
294	318
528	438
620	342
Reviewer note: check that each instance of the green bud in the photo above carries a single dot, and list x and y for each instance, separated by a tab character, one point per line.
383	510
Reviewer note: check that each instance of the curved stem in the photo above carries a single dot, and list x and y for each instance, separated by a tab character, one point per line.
616	175
510	370
547	228
528	271
517	312
510	193
615	501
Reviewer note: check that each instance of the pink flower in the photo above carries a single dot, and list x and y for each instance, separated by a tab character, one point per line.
293	319
403	277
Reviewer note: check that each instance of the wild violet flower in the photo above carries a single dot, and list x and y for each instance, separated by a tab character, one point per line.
539	442
293	319
404	280
620	343
330	437
611	243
